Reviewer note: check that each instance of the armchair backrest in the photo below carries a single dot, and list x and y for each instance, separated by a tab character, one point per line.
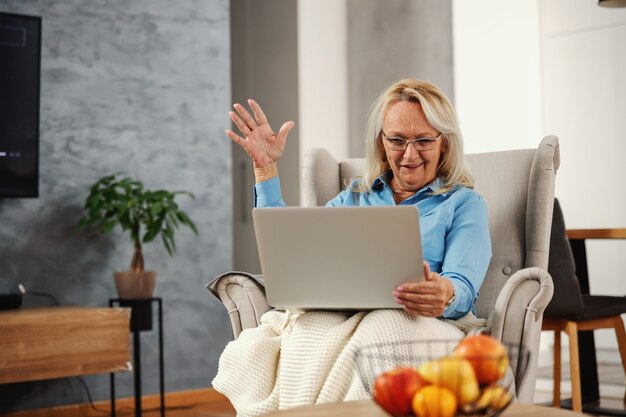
518	186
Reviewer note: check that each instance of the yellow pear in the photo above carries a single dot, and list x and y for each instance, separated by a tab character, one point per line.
454	373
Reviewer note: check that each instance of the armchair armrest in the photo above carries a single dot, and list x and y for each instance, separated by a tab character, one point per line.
243	295
528	289
582	234
519	311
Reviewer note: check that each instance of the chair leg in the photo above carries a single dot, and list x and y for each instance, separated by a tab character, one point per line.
556	377
618	324
571	328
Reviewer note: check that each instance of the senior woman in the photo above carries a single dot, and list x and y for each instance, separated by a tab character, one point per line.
414	156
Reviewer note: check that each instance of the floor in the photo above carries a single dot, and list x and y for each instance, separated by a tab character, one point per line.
213	408
200	410
612	386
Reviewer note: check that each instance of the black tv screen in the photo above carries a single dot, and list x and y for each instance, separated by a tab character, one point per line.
20	68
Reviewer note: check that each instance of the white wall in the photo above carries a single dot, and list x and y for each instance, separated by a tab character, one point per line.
497	73
323	76
526	69
584	102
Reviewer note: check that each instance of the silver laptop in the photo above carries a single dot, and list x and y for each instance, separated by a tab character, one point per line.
343	258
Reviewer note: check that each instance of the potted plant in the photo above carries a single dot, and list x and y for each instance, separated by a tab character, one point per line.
145	214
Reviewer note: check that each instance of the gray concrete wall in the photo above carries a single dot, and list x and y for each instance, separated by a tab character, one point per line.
390	40
140	88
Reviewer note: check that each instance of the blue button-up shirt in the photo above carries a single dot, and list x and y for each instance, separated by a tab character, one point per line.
454	229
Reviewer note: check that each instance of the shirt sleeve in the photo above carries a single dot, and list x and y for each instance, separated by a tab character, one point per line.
268	194
467	256
345	198
339	200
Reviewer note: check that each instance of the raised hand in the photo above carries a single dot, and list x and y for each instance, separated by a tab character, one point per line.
259	140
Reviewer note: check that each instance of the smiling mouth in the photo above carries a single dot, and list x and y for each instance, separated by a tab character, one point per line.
412	166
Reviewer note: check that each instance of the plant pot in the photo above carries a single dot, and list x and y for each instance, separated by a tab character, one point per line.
135	285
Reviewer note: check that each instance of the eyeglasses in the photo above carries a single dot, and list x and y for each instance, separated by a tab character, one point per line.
420	144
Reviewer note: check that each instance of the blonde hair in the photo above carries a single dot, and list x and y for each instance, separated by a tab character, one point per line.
440	114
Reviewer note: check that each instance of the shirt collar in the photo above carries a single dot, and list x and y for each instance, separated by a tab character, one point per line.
384	179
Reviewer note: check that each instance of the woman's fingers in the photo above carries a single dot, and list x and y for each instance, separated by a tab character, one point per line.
421	297
425	298
258	112
236	138
238	121
427	273
423	309
284	131
426	310
245	116
256	135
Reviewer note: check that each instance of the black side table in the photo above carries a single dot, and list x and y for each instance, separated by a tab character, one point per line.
140	320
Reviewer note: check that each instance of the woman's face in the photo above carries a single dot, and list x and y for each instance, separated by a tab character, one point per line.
411	169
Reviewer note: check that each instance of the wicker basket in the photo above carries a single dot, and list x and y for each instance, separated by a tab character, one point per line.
376	359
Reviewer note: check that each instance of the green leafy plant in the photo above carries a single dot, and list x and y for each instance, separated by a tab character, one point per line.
145	214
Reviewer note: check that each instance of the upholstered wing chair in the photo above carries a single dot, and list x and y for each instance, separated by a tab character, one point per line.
518	186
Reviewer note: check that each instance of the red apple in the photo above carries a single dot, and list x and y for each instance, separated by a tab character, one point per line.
394	390
487	355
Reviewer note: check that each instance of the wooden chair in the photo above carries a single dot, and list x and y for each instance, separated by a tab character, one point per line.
571	311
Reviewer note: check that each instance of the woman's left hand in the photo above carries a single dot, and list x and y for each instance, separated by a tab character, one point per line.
427	298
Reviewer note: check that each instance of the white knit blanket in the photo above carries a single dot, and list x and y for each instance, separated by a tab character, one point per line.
292	360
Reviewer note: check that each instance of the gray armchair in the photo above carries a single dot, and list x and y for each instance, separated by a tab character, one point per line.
518	187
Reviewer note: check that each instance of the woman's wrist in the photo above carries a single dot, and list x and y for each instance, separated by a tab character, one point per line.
450	300
452	296
266	173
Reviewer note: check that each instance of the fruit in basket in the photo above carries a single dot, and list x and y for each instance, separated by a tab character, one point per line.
434	401
494	397
487	355
394	389
454	373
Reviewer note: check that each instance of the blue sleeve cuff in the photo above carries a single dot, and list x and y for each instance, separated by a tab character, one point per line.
450	311
462	303
268	194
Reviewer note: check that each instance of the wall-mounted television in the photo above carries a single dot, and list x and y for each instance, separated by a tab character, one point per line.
20	69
